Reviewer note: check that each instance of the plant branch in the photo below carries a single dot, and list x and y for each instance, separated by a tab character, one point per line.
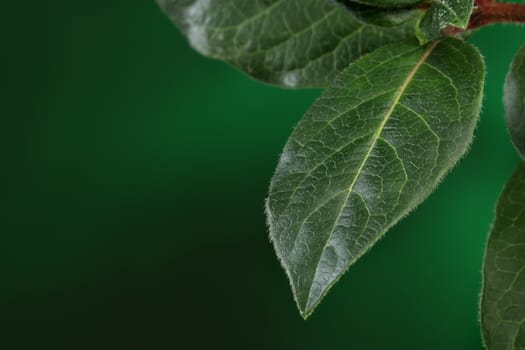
489	12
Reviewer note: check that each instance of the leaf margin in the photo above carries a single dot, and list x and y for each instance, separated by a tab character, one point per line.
489	252
292	78
513	100
308	312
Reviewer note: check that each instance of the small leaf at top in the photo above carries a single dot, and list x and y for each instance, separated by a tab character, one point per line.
387	3
368	151
514	99
380	16
444	13
503	294
292	43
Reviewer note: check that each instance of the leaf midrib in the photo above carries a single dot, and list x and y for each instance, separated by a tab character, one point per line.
375	138
329	121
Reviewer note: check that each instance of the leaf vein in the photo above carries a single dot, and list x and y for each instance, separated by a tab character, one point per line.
376	136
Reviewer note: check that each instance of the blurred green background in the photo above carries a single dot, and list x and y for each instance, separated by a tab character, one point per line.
133	179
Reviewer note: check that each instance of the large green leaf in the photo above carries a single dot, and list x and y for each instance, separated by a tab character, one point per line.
515	101
444	13
503	295
294	43
369	150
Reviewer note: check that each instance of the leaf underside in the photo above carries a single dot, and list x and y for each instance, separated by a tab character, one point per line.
291	43
514	98
388	3
368	151
503	295
380	16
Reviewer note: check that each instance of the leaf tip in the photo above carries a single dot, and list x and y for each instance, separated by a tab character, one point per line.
307	309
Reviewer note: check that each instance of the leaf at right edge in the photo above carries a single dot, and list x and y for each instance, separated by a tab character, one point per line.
369	150
514	99
444	13
503	294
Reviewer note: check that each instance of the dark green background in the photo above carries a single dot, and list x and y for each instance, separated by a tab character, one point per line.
133	178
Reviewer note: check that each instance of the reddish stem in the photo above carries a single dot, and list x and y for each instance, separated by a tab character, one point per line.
489	12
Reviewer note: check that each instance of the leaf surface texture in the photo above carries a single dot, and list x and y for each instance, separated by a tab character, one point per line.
368	151
444	13
503	296
292	43
514	98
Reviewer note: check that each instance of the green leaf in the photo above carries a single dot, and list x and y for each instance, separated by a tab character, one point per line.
503	294
514	98
368	151
387	3
442	14
293	43
380	16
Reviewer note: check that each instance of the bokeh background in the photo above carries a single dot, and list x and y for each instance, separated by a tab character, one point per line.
133	178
